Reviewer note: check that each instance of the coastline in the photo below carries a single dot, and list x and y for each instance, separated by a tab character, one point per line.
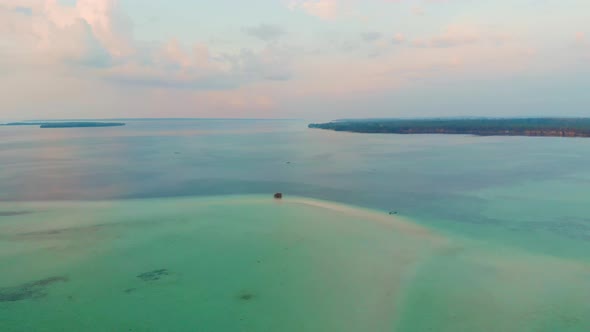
532	127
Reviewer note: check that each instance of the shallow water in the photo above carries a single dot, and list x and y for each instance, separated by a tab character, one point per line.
521	191
132	228
251	263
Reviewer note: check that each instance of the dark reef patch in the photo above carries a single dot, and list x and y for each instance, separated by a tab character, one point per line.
13	213
246	296
67	230
48	232
153	275
30	290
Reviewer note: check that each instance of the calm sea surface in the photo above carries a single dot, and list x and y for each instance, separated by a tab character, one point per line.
166	225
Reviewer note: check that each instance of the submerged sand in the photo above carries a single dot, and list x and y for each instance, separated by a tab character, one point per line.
250	263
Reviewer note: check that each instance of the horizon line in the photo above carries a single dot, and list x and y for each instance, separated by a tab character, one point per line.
147	119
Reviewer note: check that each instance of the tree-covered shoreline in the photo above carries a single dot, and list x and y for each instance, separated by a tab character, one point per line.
553	127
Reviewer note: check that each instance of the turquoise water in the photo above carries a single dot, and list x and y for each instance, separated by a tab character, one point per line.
255	264
171	225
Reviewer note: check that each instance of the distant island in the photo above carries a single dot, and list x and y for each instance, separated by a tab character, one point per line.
52	124
554	127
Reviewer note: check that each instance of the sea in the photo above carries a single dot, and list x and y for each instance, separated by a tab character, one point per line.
171	225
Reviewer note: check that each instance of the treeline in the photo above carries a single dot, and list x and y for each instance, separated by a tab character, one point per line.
560	127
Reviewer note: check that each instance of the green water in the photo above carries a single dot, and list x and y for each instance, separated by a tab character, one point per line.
250	263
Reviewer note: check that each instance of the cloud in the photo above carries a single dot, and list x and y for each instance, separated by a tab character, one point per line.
240	101
332	9
107	23
459	35
84	56
581	38
93	39
40	32
324	9
174	66
272	63
265	32
398	38
371	36
24	10
418	11
453	36
145	76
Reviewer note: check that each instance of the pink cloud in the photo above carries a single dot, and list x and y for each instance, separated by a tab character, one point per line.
399	38
92	38
234	101
581	38
418	11
454	35
324	9
331	9
108	25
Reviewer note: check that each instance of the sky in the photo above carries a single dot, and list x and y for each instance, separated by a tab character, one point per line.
309	59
